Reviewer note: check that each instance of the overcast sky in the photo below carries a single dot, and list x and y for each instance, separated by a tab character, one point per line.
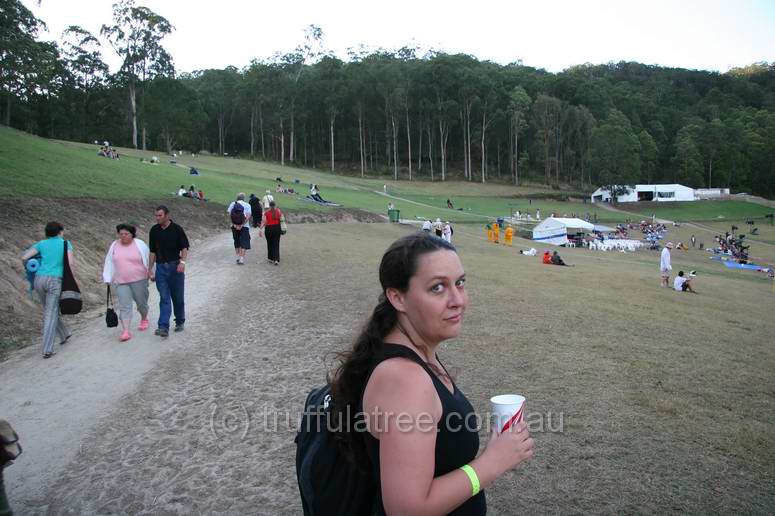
697	34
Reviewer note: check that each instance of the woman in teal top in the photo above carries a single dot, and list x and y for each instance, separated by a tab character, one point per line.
48	283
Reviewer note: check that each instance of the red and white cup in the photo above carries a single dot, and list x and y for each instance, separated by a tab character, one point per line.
506	410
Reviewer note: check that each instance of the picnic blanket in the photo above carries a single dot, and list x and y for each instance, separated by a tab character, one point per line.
749	266
324	203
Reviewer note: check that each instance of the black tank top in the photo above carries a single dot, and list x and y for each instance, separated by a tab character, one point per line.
457	440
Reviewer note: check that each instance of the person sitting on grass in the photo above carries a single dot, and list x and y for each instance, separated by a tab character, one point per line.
684	284
182	191
547	257
556	260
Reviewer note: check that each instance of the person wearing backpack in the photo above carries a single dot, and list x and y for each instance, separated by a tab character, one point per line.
48	282
255	208
239	211
397	414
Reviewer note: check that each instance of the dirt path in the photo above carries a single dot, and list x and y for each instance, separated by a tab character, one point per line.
65	408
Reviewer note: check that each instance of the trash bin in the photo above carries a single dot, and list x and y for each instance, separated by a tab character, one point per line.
394	215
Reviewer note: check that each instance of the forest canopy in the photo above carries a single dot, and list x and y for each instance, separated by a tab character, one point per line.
434	116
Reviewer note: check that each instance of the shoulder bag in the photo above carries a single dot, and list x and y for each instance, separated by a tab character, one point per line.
111	318
283	225
70	302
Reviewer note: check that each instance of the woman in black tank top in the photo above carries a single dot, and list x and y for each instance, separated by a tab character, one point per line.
411	426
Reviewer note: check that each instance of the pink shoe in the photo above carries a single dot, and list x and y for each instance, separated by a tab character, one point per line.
143	325
125	336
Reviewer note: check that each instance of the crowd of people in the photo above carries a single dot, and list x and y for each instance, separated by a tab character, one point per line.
442	230
106	151
732	245
192	193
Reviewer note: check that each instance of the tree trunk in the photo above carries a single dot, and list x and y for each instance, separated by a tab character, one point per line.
291	153
331	127
710	173
253	132
516	155
409	143
468	142
465	140
498	156
360	140
261	128
443	132
484	151
133	111
395	146
8	100
282	144
430	147
419	151
144	147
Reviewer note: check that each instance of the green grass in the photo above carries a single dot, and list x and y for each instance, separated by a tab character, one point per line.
36	167
699	210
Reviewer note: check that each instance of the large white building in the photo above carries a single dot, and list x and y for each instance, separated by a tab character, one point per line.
658	193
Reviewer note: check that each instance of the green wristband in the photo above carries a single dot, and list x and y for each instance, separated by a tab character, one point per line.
475	487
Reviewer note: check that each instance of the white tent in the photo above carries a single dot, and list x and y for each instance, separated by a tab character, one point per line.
555	230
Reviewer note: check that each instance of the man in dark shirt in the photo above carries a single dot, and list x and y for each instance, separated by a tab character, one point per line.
169	247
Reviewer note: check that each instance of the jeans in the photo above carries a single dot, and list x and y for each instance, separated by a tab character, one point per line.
169	283
49	289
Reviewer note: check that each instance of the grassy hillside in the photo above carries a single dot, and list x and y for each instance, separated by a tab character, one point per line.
35	167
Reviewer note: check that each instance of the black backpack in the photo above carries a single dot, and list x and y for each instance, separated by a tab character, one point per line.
237	214
329	483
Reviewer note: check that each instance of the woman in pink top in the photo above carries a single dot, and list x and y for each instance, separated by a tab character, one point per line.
126	266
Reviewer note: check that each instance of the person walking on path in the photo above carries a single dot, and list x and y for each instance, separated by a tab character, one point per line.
446	233
266	199
240	213
430	465
694	241
438	227
665	266
169	246
255	209
48	282
270	225
126	266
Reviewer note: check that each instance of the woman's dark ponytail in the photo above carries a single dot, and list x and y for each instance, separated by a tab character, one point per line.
398	265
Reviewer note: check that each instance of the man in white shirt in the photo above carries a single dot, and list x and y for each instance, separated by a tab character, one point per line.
664	265
239	226
426	226
684	284
182	191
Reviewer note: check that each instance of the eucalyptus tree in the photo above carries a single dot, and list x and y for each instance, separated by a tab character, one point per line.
20	53
615	153
136	35
219	89
546	117
518	108
648	155
175	114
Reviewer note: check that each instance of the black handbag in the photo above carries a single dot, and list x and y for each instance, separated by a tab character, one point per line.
70	302
111	319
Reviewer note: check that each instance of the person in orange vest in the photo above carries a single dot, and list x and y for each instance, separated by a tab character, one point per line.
496	232
488	229
547	258
509	236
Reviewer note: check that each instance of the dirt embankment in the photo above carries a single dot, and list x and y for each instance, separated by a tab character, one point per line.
90	224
